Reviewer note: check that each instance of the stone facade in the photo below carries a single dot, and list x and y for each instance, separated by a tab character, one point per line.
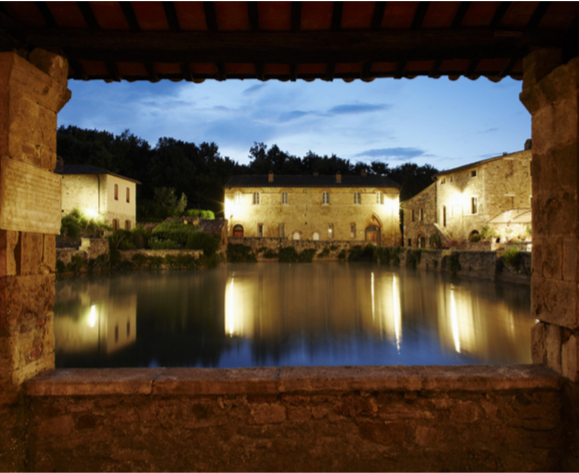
98	192
466	198
351	208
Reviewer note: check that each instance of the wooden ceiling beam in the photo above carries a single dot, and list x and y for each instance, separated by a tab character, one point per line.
337	16
296	16
220	71
366	70
499	14
130	16
259	71
293	72
186	72
253	14
378	16
113	71
460	14
434	71
505	71
400	70
472	67
150	68
79	73
88	15
419	15
210	16
171	15
331	71
46	14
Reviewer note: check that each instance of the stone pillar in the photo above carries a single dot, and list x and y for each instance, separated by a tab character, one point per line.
550	94
32	91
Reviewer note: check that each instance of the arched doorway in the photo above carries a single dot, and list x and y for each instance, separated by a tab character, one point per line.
296	236
238	231
421	241
316	236
372	234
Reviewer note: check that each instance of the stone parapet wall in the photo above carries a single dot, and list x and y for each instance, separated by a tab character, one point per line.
297	419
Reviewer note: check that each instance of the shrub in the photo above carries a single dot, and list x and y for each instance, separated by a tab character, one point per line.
208	242
157	244
324	253
512	258
529	230
333	248
195	213
240	253
434	241
357	253
139	259
270	254
176	231
210	261
342	255
288	255
488	233
474	238
99	263
453	243
413	258
76	264
155	262
60	267
454	262
77	224
306	256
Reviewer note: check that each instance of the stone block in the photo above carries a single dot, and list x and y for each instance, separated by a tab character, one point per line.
569	361
267	414
553	344
50	63
49	252
539	344
9	240
31	255
554	301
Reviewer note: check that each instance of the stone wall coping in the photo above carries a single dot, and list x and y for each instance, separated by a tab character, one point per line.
216	381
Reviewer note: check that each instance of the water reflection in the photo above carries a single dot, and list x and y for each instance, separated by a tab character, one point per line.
282	314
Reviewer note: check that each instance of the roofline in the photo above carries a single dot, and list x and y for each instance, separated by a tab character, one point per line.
476	163
98	174
421	192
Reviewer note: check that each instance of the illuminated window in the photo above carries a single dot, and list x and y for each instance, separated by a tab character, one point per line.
237	198
473	173
326	198
260	230
331	230
421	214
256	198
352	230
357	198
284	198
115	225
116	192
281	230
127	224
379	198
473	205
128	194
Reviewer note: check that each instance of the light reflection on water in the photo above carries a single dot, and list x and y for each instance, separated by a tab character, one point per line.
290	314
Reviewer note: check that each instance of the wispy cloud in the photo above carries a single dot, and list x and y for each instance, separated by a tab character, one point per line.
293	115
253	89
355	108
489	130
397	154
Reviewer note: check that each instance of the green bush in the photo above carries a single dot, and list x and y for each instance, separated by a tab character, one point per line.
195	213
139	259
342	255
60	267
207	242
512	258
454	262
176	231
413	258
77	224
487	233
324	253
333	248
357	253
157	244
270	254
210	261
76	264
240	253
474	238
288	255
306	256
155	262
99	263
434	241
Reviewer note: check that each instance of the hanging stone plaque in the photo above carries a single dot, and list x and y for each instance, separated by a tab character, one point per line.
30	198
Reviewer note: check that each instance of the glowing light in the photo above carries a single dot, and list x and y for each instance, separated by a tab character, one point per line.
92	317
454	322
372	297
397	311
92	213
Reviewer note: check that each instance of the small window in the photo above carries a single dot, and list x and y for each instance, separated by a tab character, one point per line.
127	224
284	198
116	192
128	195
410	243
352	230
421	215
443	180
473	173
331	230
282	230
128	328
237	198
379	198
357	198
115	224
473	205
116	333
451	178
326	198
260	230
413	215
256	198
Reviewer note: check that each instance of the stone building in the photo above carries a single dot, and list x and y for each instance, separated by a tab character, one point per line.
97	191
363	208
463	199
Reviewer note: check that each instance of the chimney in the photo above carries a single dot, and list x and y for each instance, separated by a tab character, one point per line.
363	172
528	144
270	177
339	177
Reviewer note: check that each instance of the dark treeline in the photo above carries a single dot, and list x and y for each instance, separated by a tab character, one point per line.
200	172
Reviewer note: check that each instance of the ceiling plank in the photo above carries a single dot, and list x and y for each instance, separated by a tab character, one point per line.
508	67
253	15
460	14
293	72
337	16
88	15
366	70
400	70
113	71
259	71
130	16
46	14
331	71
378	15
186	72
291	48
171	15
419	15
434	71
296	16
472	67
78	69
150	68
210	16
220	71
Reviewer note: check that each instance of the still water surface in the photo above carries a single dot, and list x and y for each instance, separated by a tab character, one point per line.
243	315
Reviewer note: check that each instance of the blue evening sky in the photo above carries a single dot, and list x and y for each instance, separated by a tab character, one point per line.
436	121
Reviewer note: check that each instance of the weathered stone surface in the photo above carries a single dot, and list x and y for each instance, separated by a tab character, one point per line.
570	359
554	301
553	346
539	344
